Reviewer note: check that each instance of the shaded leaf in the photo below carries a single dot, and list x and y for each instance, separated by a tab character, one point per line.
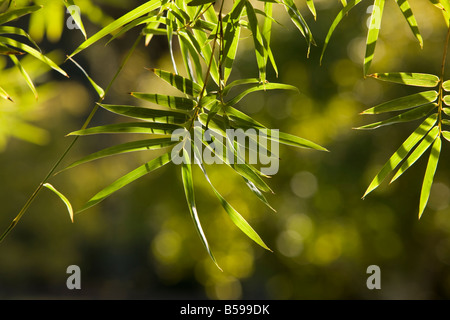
429	174
25	75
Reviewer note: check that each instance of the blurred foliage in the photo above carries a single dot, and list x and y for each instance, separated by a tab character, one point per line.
141	243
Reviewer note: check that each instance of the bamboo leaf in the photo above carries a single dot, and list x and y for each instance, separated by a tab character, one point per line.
129	127
237	219
409	16
62	197
372	35
25	75
429	174
446	85
118	23
260	87
403	103
127	179
446	100
15	14
4	94
97	88
401	152
76	16
32	52
186	173
257	40
154	115
312	8
183	84
407	116
410	79
337	20
141	145
171	102
199	2
418	152
17	31
291	140
446	135
239	82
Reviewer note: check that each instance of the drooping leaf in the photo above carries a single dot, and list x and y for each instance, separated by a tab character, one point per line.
429	174
76	16
237	219
401	152
418	152
186	174
62	197
372	35
339	17
25	75
260	87
33	52
118	23
257	40
4	94
411	115
312	8
127	179
17	13
18	32
404	103
408	78
97	88
409	16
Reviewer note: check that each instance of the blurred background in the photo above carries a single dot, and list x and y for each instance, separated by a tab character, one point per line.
141	242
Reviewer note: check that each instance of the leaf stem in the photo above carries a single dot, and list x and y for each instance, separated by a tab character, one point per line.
58	162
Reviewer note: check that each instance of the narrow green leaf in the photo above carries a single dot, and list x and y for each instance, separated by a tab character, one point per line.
291	140
133	146
407	116
127	179
32	52
183	84
17	31
260	87
257	40
401	152
418	152
258	194
312	8
199	2
429	175
339	17
4	94
237	219
129	127
171	102
404	103
154	115
118	23
409	16
189	50
15	14
372	35
410	79
97	88
76	17
239	82
62	197
25	75
186	173
299	22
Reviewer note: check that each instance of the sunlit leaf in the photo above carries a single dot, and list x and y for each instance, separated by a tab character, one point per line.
409	16
257	40
186	173
429	174
336	21
372	35
127	179
199	2
17	31
15	14
118	23
446	100
418	152
62	197
446	85
25	75
411	79
76	17
401	152
260	87
403	103
446	135
4	94
183	84
407	116
312	8
97	88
